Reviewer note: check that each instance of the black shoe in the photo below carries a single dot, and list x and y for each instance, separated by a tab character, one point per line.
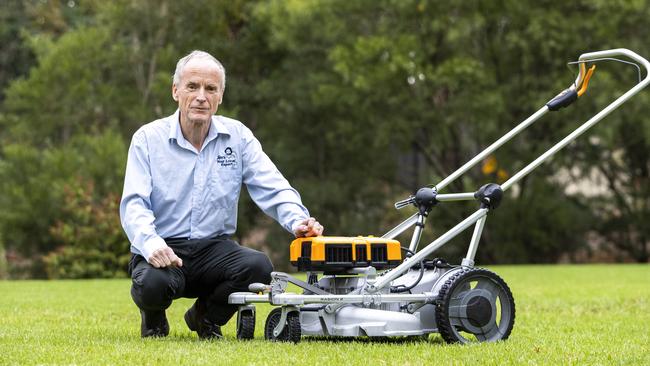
197	322
154	324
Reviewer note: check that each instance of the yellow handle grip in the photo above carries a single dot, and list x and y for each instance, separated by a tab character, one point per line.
582	71
585	82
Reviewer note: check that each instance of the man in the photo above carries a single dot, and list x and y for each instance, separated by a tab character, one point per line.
179	205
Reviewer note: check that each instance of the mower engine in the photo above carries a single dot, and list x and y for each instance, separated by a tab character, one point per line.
336	254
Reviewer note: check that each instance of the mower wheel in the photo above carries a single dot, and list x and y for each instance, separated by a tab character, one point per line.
246	325
475	305
291	331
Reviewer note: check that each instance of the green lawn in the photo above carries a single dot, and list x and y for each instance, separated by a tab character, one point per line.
595	314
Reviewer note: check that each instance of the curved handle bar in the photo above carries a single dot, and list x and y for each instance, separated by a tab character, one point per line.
617	52
584	75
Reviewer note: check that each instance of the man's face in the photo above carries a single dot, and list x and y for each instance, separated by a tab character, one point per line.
198	92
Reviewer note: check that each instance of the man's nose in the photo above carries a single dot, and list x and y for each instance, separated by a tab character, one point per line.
200	96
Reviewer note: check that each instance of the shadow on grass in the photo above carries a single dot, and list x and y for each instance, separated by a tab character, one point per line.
181	337
375	340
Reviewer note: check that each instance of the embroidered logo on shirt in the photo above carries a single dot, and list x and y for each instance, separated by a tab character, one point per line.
229	160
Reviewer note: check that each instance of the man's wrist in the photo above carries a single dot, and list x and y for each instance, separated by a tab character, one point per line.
151	246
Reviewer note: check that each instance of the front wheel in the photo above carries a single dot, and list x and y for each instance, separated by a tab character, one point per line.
246	325
291	331
475	305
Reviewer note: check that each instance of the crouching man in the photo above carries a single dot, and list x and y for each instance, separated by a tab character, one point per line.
179	206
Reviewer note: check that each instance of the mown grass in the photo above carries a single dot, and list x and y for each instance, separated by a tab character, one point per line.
595	314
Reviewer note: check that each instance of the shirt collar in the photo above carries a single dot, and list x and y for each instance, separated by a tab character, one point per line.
216	128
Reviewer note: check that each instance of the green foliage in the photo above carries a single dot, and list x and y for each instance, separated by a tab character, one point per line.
359	103
33	182
21	21
431	92
93	244
623	206
75	82
15	57
31	186
548	225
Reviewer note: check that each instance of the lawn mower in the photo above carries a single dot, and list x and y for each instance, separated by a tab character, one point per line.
364	286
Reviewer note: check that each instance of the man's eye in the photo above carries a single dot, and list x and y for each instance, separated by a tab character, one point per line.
211	89
191	86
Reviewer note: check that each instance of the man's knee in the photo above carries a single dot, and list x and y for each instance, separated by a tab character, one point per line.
258	266
154	288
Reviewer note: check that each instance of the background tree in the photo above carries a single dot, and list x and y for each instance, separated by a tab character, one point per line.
359	103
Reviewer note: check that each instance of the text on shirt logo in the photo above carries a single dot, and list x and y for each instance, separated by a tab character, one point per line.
229	160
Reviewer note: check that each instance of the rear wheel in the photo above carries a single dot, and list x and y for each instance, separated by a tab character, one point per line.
291	331
475	305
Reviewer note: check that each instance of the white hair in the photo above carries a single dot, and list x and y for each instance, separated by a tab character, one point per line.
198	55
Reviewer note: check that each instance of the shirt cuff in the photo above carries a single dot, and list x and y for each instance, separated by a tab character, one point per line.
151	246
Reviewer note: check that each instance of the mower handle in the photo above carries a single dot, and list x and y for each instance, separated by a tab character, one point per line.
406	202
578	86
593	120
586	57
584	75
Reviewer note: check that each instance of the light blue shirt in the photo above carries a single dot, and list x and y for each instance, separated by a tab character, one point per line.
171	190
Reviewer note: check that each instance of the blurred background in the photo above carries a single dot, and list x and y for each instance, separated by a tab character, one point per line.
358	102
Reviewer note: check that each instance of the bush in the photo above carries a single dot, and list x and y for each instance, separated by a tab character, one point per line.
74	262
92	243
38	185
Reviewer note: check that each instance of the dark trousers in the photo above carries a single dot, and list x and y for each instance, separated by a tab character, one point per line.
212	269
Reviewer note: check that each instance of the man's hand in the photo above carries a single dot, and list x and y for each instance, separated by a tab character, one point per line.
165	257
308	227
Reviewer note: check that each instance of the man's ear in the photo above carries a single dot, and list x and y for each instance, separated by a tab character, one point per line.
174	92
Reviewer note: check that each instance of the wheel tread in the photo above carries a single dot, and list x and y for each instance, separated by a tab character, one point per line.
292	330
246	326
442	302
